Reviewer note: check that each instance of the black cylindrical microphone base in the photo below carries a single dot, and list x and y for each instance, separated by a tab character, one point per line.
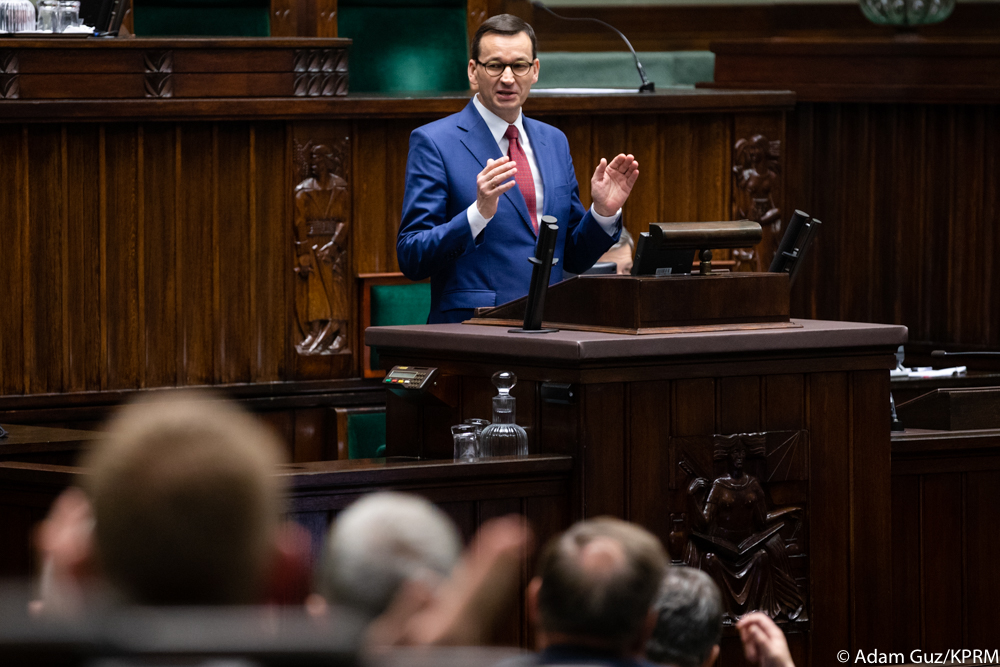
545	250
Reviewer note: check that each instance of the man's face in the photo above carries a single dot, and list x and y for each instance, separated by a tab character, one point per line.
620	256
504	94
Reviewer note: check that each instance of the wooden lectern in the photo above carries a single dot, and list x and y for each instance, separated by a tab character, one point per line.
792	422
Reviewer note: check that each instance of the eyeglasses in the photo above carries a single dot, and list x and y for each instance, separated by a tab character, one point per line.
496	68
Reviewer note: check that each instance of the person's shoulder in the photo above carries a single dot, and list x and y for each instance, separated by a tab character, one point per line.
448	124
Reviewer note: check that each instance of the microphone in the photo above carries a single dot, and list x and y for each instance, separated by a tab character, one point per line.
942	353
647	85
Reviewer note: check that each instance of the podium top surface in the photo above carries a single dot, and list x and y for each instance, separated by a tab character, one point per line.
816	335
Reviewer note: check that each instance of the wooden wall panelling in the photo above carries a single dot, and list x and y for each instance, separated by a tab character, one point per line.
907	610
642	140
827	398
380	153
13	195
269	287
650	459
906	193
83	282
195	275
604	449
870	469
942	560
943	526
158	243
284	18
233	226
44	268
121	256
982	540
326	18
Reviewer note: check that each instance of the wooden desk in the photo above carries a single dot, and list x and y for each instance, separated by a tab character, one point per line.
536	487
41	443
643	405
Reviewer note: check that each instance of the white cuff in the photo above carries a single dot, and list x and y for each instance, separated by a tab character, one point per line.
608	224
477	222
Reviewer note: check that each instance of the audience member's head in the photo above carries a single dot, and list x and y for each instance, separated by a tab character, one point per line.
595	585
185	501
688	620
621	253
381	542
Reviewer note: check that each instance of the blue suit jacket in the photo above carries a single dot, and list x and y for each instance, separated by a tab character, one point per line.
434	237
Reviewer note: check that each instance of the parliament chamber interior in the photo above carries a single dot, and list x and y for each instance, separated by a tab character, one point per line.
211	199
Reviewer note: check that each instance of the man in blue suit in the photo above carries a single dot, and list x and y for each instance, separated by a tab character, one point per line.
478	182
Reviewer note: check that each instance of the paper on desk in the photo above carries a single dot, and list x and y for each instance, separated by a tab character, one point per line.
583	91
939	373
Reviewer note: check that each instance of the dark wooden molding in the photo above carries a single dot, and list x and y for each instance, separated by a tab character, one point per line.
676	28
903	69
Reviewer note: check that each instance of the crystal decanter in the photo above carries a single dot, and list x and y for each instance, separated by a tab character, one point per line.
503	437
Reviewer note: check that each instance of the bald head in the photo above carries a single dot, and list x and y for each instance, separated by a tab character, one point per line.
598	580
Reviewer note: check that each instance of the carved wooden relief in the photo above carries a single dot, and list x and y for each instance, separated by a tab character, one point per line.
320	72
322	234
9	85
756	171
740	515
159	66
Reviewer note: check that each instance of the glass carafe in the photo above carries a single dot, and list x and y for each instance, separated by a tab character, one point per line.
503	437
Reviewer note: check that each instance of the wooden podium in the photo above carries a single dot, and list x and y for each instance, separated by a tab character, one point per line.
644	416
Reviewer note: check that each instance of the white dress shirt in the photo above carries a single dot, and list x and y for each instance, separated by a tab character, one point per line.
498	128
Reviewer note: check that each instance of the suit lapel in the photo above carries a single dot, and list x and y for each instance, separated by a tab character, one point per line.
480	142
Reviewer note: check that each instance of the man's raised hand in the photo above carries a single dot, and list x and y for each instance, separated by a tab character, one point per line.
493	182
612	183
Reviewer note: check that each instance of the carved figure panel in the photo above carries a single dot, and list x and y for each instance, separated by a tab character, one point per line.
739	512
756	171
322	262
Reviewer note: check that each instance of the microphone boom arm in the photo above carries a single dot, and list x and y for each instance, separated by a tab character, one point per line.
647	85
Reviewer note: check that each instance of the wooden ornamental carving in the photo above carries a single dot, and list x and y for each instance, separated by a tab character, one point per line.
322	221
741	517
756	171
159	66
9	85
320	72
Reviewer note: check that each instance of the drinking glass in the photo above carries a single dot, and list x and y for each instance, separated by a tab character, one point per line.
466	442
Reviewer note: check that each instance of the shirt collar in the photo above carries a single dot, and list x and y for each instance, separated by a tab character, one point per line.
497	125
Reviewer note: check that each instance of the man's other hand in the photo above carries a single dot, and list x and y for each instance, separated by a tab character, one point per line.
492	182
763	642
612	183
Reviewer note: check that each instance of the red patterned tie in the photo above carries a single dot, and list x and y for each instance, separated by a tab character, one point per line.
525	183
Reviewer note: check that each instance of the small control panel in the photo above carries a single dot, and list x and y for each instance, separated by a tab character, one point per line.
409	377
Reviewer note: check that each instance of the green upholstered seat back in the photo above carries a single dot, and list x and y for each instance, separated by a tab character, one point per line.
366	435
405	45
229	18
394	305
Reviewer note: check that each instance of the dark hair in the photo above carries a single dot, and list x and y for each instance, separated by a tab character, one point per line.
688	619
611	606
503	24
